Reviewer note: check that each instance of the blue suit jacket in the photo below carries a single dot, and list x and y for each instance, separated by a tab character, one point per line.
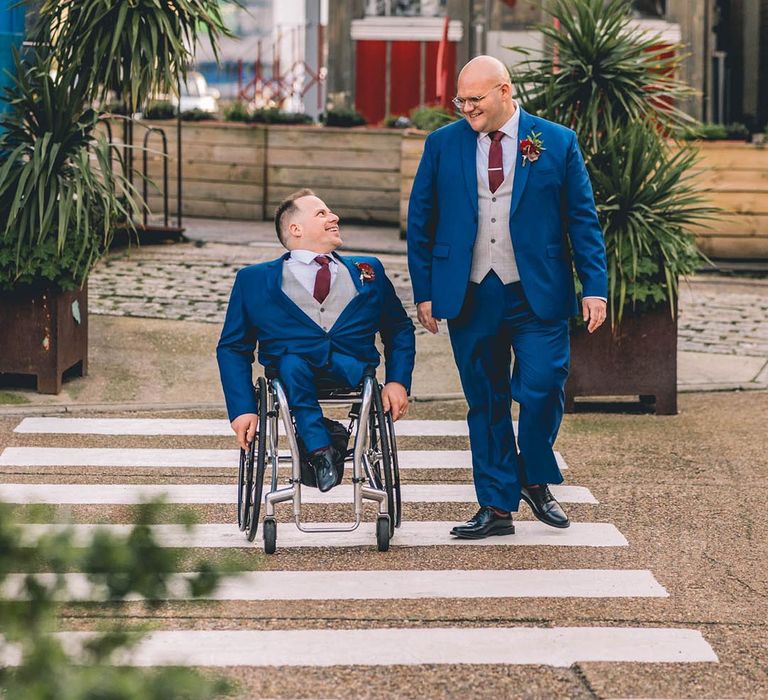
259	312
552	202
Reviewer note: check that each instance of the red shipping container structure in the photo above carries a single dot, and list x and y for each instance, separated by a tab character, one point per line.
396	63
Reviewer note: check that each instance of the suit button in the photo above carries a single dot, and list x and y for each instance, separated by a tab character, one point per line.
493	199
322	308
493	221
493	240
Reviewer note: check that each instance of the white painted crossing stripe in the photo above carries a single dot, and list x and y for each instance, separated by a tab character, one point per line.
410	534
389	585
556	646
200	426
114	494
199	458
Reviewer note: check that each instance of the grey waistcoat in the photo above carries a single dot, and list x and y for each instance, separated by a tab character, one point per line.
493	244
343	290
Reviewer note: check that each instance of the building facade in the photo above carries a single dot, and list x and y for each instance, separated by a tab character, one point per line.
725	43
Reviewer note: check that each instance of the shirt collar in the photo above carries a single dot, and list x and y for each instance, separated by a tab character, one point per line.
307	256
510	127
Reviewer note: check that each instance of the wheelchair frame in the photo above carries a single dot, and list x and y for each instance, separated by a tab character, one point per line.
375	472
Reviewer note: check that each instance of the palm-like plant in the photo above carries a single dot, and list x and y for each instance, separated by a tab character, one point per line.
600	70
59	197
616	87
135	48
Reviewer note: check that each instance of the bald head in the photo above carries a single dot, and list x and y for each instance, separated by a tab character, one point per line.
485	67
485	93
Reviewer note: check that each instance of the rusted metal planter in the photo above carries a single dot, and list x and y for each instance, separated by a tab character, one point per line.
44	333
639	360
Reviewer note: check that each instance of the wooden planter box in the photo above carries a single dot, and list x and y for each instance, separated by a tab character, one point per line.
640	360
243	171
44	334
736	176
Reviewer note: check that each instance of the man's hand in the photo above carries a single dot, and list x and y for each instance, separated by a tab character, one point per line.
594	312
245	428
424	312
395	398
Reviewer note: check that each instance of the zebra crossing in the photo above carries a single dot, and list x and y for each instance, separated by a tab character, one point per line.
395	645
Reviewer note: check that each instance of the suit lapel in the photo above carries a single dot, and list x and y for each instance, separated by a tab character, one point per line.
276	281
525	126
469	162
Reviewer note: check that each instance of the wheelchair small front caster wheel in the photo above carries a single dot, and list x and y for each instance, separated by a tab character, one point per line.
270	535
382	533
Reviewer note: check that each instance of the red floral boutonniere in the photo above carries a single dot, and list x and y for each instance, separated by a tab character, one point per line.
531	147
366	272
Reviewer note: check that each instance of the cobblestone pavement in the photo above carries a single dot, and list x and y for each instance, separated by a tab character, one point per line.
184	282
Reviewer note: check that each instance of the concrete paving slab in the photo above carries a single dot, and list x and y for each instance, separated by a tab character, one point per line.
558	646
385	585
410	534
200	426
115	494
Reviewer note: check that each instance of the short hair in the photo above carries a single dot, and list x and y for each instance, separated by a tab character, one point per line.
287	208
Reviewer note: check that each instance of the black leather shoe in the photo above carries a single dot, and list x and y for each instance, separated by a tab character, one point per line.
544	506
324	463
485	523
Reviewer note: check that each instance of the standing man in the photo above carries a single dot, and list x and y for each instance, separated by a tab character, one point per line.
501	208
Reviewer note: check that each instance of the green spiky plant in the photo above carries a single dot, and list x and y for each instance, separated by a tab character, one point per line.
616	87
60	199
133	48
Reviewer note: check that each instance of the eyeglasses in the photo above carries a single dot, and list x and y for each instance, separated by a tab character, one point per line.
459	102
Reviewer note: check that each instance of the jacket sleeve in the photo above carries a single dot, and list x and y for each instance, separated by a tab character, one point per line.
422	221
583	226
397	334
235	354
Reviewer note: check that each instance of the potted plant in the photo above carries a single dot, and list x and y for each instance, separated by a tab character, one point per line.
60	199
59	204
615	87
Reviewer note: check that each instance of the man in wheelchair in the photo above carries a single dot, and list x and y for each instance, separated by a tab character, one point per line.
314	315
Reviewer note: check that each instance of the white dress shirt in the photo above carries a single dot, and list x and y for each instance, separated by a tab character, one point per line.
508	148
302	264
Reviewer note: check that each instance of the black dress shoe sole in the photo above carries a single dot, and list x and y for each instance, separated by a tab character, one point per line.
541	518
482	535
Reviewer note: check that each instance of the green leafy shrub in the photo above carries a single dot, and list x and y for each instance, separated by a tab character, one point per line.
719	132
343	116
120	567
272	115
614	86
396	121
236	112
431	118
160	109
196	115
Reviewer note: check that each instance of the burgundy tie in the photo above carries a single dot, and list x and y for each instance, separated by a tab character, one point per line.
323	278
495	161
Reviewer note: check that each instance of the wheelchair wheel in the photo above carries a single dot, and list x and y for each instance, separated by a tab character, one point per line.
398	513
259	447
270	536
245	485
383	467
382	533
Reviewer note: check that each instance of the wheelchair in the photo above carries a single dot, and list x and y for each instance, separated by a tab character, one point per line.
375	472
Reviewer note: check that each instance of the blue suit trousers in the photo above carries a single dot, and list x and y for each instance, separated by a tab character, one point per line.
496	319
299	376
